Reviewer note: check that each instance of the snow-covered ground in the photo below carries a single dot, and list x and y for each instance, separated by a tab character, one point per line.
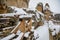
54	28
42	33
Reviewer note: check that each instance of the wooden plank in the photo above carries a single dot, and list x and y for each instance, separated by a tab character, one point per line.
50	35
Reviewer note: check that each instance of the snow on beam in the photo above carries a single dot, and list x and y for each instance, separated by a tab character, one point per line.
19	37
8	37
40	12
18	10
26	15
10	14
4	18
8	27
26	34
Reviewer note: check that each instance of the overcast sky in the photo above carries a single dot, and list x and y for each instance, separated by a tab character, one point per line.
54	4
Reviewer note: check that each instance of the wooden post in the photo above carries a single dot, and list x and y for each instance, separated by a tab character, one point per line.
22	26
30	24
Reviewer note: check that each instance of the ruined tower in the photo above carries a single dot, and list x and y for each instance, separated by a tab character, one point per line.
47	12
47	6
18	3
40	7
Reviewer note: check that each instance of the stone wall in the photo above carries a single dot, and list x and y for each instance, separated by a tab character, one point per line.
18	3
